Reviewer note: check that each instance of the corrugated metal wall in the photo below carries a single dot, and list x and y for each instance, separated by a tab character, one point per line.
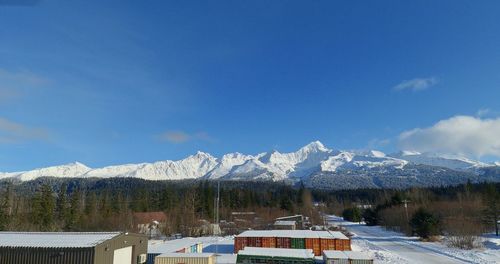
104	252
46	255
184	260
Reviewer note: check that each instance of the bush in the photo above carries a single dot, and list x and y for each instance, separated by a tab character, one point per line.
352	214
424	223
464	241
371	217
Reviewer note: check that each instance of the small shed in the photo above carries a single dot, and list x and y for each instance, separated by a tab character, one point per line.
274	255
285	225
72	247
185	258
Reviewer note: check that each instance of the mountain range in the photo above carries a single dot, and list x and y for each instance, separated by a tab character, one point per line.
314	164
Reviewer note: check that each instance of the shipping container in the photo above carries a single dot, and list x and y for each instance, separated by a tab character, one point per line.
283	242
335	257
269	242
315	240
240	243
274	256
151	258
185	258
199	248
356	257
327	244
298	243
314	244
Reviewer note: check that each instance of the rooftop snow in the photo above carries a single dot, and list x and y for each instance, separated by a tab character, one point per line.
160	246
186	255
334	254
54	239
293	233
357	255
277	252
281	222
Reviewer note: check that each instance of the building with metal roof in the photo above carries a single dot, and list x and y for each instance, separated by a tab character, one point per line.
72	247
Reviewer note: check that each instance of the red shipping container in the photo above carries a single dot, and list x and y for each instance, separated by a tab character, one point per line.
269	242
254	241
239	243
283	242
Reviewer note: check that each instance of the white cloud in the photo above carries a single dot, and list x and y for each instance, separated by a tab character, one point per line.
178	137
12	132
417	84
463	135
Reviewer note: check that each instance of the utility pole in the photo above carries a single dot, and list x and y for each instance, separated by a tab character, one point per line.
217	219
406	209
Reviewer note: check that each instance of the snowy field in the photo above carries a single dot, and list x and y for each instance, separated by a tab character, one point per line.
391	247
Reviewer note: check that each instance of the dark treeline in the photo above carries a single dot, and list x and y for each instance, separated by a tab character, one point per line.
52	204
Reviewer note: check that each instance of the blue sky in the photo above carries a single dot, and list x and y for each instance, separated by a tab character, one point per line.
111	82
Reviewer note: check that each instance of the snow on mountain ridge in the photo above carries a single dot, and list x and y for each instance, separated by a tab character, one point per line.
273	165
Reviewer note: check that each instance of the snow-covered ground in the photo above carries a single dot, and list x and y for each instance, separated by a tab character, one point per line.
391	247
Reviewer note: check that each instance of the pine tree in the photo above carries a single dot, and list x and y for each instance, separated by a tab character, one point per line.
492	202
43	208
61	203
74	214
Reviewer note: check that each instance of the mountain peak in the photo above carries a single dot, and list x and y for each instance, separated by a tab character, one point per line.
315	145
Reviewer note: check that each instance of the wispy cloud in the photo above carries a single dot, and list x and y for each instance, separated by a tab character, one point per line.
13	132
378	143
15	83
178	137
483	112
417	84
464	135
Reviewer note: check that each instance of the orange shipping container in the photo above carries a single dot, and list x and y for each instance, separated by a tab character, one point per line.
315	245
342	244
327	244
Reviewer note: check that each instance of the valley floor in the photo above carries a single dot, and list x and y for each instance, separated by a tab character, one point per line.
392	247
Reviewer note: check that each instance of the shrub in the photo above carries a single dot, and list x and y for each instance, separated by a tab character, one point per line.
371	217
424	223
352	214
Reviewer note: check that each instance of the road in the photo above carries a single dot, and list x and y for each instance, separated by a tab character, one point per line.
397	245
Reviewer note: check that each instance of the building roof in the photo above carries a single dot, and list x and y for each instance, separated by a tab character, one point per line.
294	234
54	239
287	217
277	252
186	255
358	255
170	246
287	223
334	254
148	217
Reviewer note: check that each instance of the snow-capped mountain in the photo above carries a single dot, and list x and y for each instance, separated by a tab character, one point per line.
433	159
71	170
312	162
